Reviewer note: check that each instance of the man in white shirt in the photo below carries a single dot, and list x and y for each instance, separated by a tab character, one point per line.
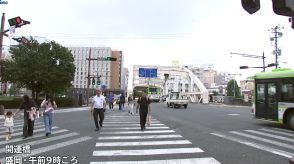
97	108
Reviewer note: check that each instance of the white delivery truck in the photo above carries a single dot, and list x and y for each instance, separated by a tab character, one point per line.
177	99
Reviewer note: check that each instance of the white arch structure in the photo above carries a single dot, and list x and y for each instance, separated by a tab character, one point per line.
197	92
203	92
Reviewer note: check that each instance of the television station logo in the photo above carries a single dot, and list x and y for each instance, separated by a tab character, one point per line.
3	2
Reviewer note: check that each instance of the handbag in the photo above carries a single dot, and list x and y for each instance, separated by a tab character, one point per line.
148	120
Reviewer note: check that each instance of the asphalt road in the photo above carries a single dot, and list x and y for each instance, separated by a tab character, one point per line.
206	134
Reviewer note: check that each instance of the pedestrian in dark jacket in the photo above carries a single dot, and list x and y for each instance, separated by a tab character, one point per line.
28	106
144	107
122	101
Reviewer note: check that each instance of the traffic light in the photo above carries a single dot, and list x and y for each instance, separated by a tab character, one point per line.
110	59
93	81
251	6
243	67
98	82
15	21
271	65
283	7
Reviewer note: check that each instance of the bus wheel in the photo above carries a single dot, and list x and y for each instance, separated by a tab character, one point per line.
290	120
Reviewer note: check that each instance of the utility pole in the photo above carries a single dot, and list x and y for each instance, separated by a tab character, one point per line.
234	82
1	46
253	56
89	73
277	51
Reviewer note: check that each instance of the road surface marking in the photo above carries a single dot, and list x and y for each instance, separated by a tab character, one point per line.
21	129
278	132
175	142
140	132
35	130
20	125
256	145
169	161
139	137
284	130
138	124
264	140
125	122
233	114
146	152
33	137
271	135
133	128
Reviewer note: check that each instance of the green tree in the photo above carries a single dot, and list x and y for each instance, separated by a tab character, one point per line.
47	67
214	93
230	88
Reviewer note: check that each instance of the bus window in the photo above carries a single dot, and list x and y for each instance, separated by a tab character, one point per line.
260	92
287	93
272	93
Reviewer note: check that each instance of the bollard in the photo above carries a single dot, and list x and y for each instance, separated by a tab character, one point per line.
291	161
1	109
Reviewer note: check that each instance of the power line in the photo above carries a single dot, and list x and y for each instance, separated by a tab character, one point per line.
118	36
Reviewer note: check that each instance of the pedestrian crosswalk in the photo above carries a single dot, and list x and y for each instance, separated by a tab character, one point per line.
122	142
274	140
38	143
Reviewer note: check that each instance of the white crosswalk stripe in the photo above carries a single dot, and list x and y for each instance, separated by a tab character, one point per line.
122	137
39	143
275	140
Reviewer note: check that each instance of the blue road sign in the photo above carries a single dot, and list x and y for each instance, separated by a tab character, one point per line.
148	72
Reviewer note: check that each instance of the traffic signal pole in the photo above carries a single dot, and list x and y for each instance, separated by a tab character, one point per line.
1	46
254	56
89	73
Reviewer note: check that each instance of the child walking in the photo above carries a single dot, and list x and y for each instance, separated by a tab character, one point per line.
8	124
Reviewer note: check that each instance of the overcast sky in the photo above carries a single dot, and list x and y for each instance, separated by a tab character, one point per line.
156	32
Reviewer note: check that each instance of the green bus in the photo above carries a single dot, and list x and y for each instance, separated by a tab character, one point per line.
154	93
274	96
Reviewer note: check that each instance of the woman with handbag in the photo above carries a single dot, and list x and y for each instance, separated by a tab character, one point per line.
28	106
48	105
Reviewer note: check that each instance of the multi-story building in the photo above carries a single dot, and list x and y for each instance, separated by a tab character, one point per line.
106	75
125	79
208	77
116	71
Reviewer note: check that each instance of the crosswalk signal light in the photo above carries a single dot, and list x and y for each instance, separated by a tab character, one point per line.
243	67
283	7
251	6
15	21
93	81
110	59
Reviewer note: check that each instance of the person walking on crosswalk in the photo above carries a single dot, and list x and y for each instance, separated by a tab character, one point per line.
28	126
97	108
144	107
48	105
8	124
